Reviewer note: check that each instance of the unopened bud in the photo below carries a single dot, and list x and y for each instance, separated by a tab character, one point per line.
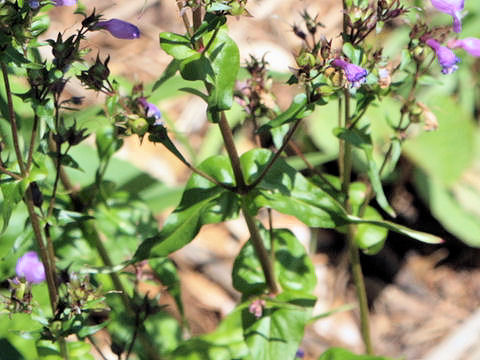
429	119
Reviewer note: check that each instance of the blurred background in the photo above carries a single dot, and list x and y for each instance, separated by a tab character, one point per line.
421	296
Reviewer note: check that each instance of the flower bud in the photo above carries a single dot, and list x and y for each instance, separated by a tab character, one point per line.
256	307
151	111
37	196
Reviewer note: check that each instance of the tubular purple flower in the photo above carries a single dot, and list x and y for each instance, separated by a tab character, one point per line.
30	268
120	29
446	57
151	111
452	8
34	4
300	354
65	2
355	74
470	45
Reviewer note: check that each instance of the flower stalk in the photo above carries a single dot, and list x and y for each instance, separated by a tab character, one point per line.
345	166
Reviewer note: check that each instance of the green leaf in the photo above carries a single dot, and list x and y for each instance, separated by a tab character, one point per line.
10	54
343	354
40	24
9	351
12	193
195	92
202	203
371	238
90	330
79	350
446	153
196	67
163	331
353	53
462	220
177	45
359	138
225	60
48	350
295	111
287	191
167	74
293	268
210	23
278	332
414	234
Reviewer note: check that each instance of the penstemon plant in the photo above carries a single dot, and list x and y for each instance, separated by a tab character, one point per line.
63	241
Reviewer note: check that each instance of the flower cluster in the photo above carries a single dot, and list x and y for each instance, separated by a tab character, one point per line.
445	56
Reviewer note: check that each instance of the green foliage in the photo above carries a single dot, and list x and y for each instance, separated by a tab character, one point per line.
92	213
293	268
286	190
361	139
343	354
202	203
225	61
278	332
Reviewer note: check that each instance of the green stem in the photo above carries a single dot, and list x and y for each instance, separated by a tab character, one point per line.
13	120
49	267
9	173
232	153
32	141
48	262
262	254
197	17
351	229
186	22
212	39
287	139
353	251
63	348
360	288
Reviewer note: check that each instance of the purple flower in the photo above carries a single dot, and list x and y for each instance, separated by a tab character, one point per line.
470	45
120	29
151	111
446	57
34	4
356	75
30	267
452	8
300	354
65	2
